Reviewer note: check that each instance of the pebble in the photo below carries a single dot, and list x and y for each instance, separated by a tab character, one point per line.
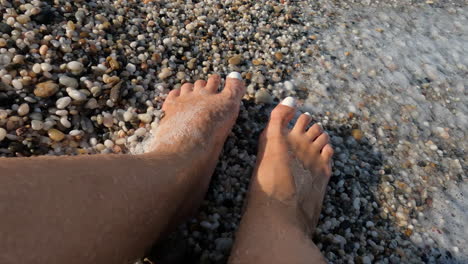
140	132
224	244
131	68
3	133
262	96
46	67
23	109
37	125
23	19
63	102
5	28
68	81
75	67
108	120
46	16
235	60
165	73
46	89
76	95
55	135
64	121
128	116
145	118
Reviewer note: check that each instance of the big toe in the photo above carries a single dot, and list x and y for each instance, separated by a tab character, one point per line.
235	86
281	116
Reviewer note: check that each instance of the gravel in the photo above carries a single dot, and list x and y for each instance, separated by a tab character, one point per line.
386	80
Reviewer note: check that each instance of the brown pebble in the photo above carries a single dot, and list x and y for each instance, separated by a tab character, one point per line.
235	60
257	62
55	134
46	89
113	63
278	56
357	134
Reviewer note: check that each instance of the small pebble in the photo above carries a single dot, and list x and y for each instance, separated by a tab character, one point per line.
55	134
46	89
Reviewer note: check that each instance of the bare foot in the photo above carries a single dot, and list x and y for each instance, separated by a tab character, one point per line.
286	192
294	166
197	120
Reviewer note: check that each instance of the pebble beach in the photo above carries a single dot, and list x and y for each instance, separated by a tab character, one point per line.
387	81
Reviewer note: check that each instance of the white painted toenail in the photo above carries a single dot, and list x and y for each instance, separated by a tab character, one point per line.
289	101
307	113
235	75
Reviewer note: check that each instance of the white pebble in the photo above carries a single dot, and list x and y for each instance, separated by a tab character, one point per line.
130	68
17	84
64	121
76	95
23	109
37	124
75	67
140	132
127	116
63	102
68	82
108	143
2	133
145	118
37	68
46	67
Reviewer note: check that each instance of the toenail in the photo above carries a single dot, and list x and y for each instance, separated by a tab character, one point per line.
289	101
235	75
307	113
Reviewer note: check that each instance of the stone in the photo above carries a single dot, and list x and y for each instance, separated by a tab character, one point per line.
75	67
3	133
165	73
113	63
140	132
223	244
131	68
46	89
235	60
357	134
46	16
23	109
145	118
115	92
76	95
23	19
262	96
63	102
68	81
5	28
55	135
279	56
37	125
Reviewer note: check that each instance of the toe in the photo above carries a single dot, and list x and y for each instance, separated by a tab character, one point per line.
314	132
199	85
302	123
320	142
173	94
186	88
235	87
327	152
282	115
213	83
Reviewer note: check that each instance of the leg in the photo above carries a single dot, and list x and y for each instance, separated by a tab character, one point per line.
111	208
286	193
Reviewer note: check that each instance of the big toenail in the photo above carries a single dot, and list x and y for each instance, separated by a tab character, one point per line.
307	113
289	101
235	75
